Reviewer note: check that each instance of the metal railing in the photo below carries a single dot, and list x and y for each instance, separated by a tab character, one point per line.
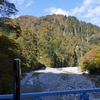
36	96
83	94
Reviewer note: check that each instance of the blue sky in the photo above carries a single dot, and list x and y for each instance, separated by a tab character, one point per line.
84	10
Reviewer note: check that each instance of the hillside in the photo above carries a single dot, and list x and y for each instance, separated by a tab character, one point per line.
8	51
59	40
51	41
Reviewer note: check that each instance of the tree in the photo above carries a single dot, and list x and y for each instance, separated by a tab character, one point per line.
91	60
7	9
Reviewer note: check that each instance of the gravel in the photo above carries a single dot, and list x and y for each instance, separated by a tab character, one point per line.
57	79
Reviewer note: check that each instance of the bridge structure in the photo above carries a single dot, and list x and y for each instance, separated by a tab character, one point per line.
84	94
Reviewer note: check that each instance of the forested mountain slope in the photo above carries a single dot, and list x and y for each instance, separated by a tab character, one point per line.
51	41
10	49
60	40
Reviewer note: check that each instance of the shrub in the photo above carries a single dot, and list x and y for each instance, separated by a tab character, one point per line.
91	61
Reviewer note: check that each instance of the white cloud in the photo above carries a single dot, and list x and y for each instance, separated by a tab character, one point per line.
89	9
98	2
12	1
93	12
23	3
96	21
74	11
88	2
77	10
88	15
85	5
96	10
54	10
29	3
20	2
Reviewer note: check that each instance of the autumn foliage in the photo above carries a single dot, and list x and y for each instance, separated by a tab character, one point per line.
91	60
51	41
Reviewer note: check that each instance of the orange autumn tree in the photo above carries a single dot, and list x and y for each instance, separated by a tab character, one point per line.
91	60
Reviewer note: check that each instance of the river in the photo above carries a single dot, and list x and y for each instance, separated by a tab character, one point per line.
57	79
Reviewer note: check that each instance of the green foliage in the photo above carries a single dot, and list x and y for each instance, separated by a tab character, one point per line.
7	27
52	41
91	61
97	60
7	9
58	39
8	49
5	83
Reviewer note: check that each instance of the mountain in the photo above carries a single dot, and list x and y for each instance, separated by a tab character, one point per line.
51	41
59	38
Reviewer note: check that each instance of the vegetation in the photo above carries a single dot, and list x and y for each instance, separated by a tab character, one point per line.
51	41
8	47
59	40
7	9
91	60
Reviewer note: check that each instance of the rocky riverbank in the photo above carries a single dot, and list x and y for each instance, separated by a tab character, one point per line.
57	79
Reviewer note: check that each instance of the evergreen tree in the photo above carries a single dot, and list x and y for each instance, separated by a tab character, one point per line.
7	9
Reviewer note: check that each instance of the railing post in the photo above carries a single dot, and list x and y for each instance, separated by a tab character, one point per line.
16	78
85	96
